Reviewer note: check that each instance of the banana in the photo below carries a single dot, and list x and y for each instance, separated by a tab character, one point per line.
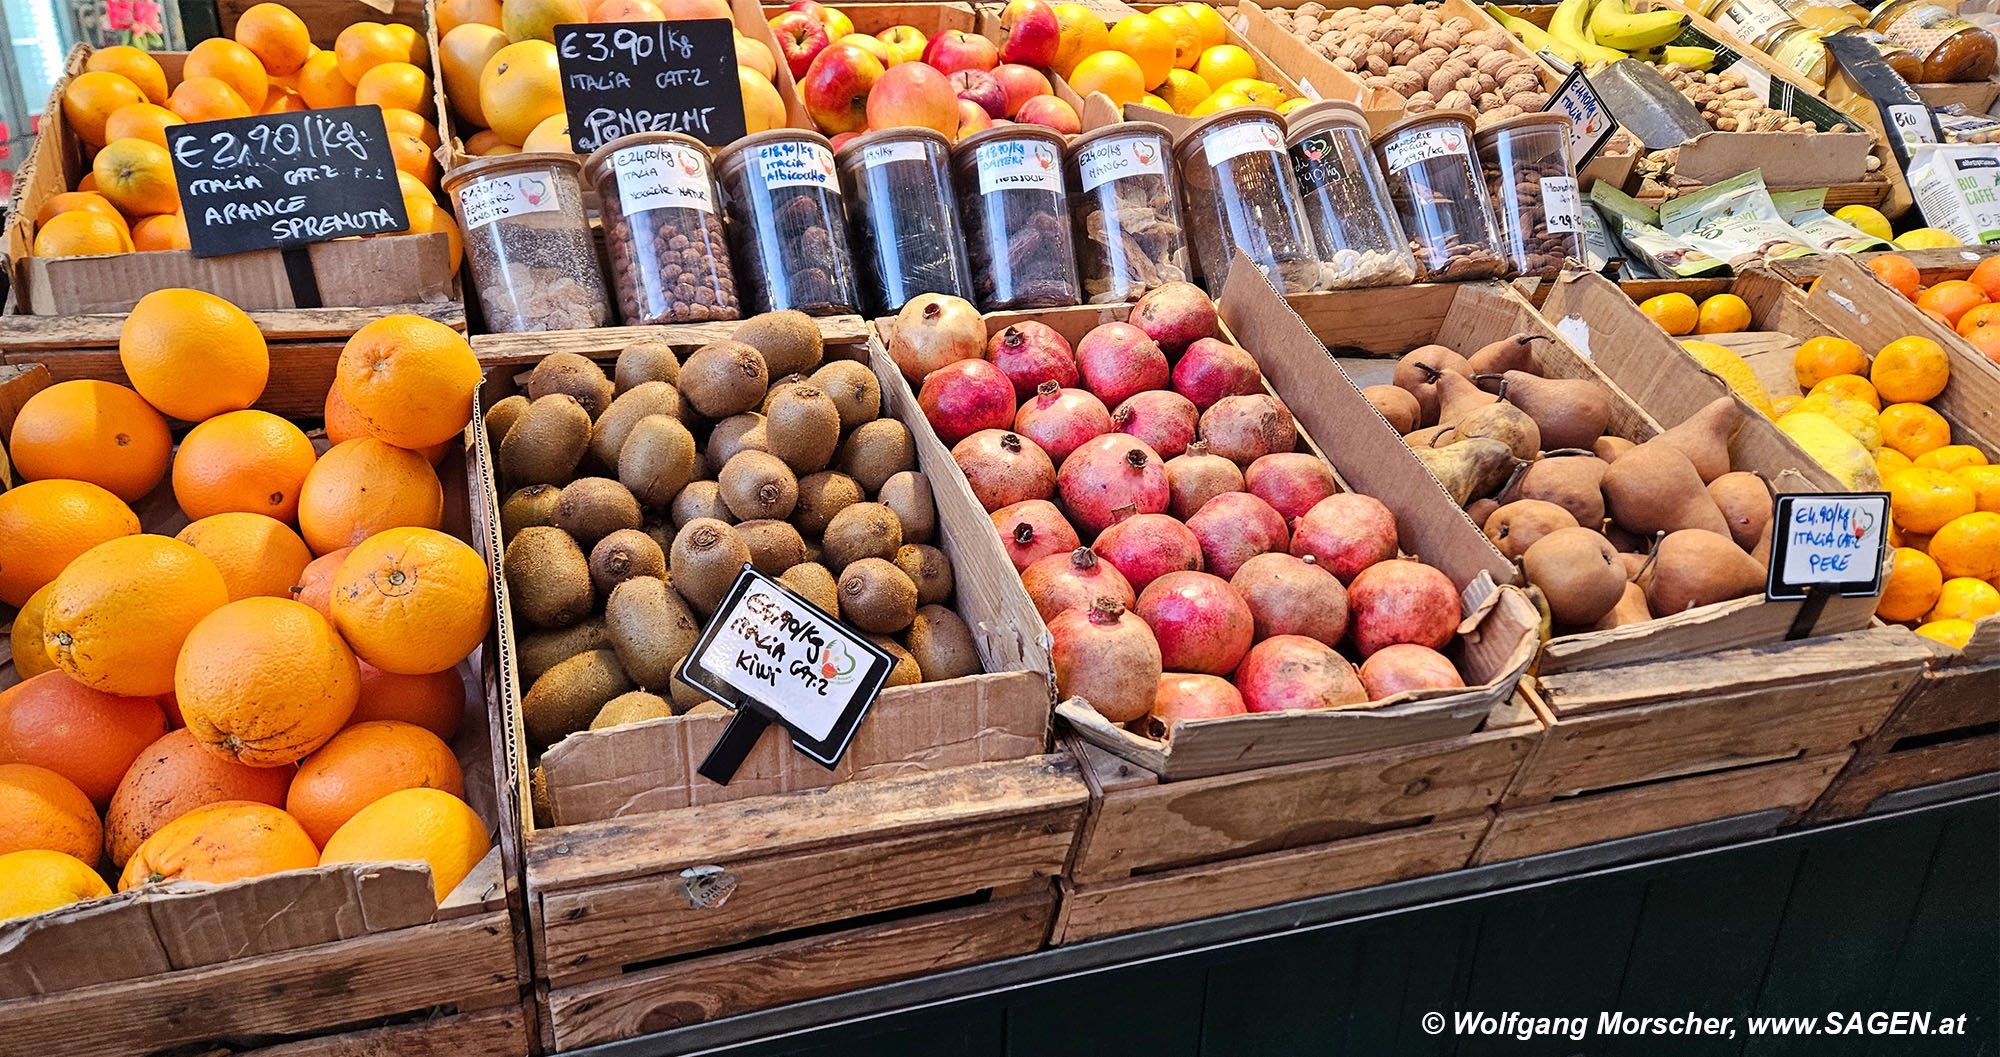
1534	37
1698	58
1614	24
1568	27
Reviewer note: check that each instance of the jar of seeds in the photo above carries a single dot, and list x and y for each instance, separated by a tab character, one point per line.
1125	208
1353	223
663	229
1009	183
902	217
1241	196
787	223
528	244
1526	162
1439	196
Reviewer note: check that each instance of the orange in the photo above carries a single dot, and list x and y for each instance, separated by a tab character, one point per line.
451	14
428	825
193	355
416	52
1897	271
91	97
1889	460
1676	313
1983	480
88	201
1224	63
538	19
362	487
160	231
48	524
321	85
427	217
250	461
363	46
1951	299
1923	500
207	99
1079	32
227	841
1187	36
434	701
315	588
92	431
85	735
1849	387
172	777
1965	598
410	123
409	380
1953	457
1208	23
343	424
257	555
30	657
118	614
1910	370
1987	276
462	53
233	65
393	84
1911	587
146	121
36	881
283	101
361	765
1953	633
278	37
1969	546
1149	41
41	809
137	176
413	157
1723	314
1825	357
88	183
1114	73
134	65
265	681
412	600
519	87
1914	429
487	142
81	233
1981	329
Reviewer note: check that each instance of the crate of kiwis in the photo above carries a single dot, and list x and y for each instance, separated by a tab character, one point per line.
634	472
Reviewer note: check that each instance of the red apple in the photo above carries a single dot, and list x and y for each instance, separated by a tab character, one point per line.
838	88
844	139
972	118
837	23
955	50
1022	84
1052	112
906	43
912	94
982	88
1029	33
810	7
868	44
800	37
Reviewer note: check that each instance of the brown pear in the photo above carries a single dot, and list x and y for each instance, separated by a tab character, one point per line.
1459	396
1610	448
1695	567
1745	502
1505	423
1419	371
1572	412
1470	469
1579	574
1481	509
1518	525
1704	437
1396	404
1428	437
1515	353
1568	481
1627	542
1635	563
1654	488
1631	609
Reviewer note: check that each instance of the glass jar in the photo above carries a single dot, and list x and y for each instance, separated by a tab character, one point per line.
1528	173
1900	59
1754	22
1353	223
1952	49
1439	196
528	243
1009	183
663	229
1125	205
904	222
1827	16
1241	196
789	228
1802	51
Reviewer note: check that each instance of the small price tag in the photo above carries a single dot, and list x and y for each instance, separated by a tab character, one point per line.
1562	205
1590	122
624	77
1828	544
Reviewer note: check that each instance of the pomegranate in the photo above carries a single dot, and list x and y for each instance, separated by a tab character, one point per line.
1058	420
1033	530
1148	547
1407	666
1118	360
1210	370
1066	581
1200	622
1244	429
1107	657
1292	596
1195	477
1184	696
1291	481
964	397
1233	528
1031	353
933	330
1175	315
1401	601
1165	420
1346	533
1004	469
1110	478
1288	672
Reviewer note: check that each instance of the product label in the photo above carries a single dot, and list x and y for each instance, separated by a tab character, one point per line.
1591	125
662	176
1911	122
1115	159
1421	145
1019	165
1957	188
509	195
1222	144
1316	162
794	165
1751	19
1561	204
1831	542
880	154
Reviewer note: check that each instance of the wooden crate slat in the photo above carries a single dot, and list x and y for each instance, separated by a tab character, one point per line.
604	342
1945	699
487	1033
1770	668
1870	777
65	333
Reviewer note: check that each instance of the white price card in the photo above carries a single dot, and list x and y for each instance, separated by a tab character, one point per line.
1832	542
1590	122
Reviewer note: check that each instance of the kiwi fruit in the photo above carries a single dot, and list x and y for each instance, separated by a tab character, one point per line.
707	556
636	706
548	577
646	360
724	378
929	569
651	629
789	341
822	495
568	696
802	427
744	432
814	552
657	459
607	438
546	442
538	650
875	452
700	499
705	708
815	583
702	471
909	494
501	417
942	644
569	373
906	671
758	484
623	555
876	596
592	508
533	505
661	532
853	389
779	386
863	530
774	545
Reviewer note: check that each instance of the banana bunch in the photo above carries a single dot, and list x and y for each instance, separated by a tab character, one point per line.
1596	32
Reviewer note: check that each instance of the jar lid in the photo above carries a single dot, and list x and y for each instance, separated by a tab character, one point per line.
1119	130
1325	114
1519	123
601	157
505	163
969	144
1193	133
1456	117
733	155
852	149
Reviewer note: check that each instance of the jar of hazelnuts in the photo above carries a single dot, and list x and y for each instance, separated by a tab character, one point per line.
663	229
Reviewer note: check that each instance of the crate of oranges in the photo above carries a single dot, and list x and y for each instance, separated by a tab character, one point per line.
244	735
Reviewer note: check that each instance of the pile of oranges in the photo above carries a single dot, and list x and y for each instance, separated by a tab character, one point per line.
274	686
1174	58
121	106
1679	315
1969	306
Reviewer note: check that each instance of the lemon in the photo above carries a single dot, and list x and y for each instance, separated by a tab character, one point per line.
1675	313
1723	314
1154	101
1218	102
1868	219
1224	63
1926	239
1184	90
1290	105
1260	92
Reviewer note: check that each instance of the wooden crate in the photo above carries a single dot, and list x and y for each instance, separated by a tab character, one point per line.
1952	262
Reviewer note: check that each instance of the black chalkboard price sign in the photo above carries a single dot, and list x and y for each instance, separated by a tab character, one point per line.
624	77
279	181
